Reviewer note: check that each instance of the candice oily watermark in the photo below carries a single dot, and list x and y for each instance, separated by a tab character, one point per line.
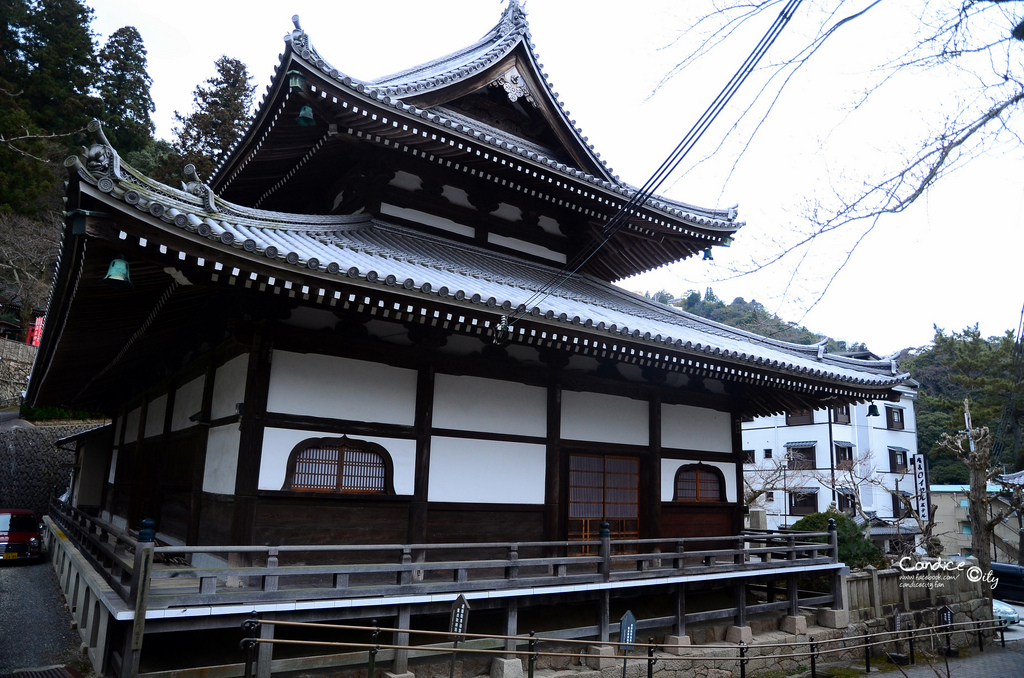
924	573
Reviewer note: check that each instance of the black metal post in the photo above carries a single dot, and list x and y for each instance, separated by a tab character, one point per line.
867	655
533	655
743	659
814	656
371	662
249	644
910	631
1002	635
981	639
650	658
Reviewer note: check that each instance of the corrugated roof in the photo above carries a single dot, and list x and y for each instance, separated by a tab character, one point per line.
801	443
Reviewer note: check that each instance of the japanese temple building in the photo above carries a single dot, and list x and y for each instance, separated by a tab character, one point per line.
389	318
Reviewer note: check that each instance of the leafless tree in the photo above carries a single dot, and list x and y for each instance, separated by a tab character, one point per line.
854	476
775	475
973	447
962	60
28	249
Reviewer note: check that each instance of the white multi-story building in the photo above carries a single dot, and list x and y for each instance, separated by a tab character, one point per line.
800	462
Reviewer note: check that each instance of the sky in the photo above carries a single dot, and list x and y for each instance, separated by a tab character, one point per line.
949	261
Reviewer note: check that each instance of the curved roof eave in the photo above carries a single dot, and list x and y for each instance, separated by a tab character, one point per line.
374	253
298	46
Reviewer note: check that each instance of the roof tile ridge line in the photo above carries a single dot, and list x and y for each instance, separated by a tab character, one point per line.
298	43
233	211
498	33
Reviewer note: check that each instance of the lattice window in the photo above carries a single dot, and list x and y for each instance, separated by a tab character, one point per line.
603	489
339	465
698	482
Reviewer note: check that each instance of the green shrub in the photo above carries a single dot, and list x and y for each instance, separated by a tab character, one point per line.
855	548
49	413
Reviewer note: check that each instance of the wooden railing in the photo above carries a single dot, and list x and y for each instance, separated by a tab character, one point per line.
214	575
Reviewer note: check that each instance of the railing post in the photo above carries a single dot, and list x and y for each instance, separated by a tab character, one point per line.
650	658
814	658
405	576
139	597
512	569
833	541
270	580
791	547
743	660
606	551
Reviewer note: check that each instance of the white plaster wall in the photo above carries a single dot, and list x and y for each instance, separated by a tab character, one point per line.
156	412
278	443
477	404
221	459
486	471
187	401
668	477
605	418
341	388
131	425
695	428
229	386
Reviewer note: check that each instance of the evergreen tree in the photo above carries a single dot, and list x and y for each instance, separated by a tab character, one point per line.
123	84
220	116
60	57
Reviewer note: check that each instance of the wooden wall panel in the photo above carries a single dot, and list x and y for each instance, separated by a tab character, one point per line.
459	523
333	520
687	520
215	519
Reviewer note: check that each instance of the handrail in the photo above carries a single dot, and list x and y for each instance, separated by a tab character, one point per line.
357	570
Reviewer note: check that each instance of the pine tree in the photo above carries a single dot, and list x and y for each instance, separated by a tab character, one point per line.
123	84
220	116
59	53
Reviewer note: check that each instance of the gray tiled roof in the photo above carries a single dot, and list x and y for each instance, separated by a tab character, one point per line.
510	31
375	252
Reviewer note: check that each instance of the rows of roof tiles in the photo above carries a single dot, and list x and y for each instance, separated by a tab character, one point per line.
490	49
382	253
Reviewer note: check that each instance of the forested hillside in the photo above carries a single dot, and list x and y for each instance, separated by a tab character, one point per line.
958	365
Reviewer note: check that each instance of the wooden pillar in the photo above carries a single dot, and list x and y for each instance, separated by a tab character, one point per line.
401	662
511	624
604	616
679	626
654	469
265	652
250	439
793	596
199	463
553	510
737	455
739	592
417	528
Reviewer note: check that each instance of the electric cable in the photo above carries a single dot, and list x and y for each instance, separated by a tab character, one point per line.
675	158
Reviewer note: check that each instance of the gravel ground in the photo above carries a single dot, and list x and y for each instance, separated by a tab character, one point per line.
35	625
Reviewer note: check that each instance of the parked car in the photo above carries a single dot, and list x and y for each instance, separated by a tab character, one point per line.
20	535
1011	581
1005	613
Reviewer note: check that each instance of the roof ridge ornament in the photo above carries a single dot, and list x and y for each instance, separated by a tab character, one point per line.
514	85
101	160
196	187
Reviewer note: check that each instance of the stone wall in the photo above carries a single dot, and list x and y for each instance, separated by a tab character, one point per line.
32	469
15	364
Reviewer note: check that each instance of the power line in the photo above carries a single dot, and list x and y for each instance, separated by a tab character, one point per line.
675	158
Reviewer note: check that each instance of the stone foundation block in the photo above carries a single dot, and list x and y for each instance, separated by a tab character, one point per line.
833	619
737	634
506	668
675	644
407	674
794	625
600	657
